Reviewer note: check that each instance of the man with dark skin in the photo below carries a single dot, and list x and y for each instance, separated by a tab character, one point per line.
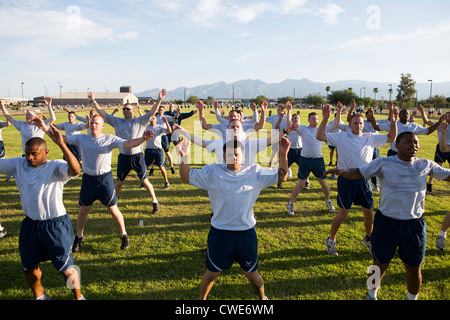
399	222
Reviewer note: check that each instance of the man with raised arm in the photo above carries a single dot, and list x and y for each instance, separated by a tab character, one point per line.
233	189
355	149
46	233
399	223
127	128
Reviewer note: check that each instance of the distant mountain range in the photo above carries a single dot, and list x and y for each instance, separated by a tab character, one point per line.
290	87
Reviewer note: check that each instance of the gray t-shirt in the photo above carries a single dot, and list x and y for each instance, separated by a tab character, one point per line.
28	131
129	129
96	152
403	184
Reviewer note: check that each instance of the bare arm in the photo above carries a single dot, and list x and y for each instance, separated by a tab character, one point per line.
201	114
48	102
436	125
74	166
138	141
5	112
155	107
283	165
97	107
392	134
262	121
183	148
443	146
424	117
326	112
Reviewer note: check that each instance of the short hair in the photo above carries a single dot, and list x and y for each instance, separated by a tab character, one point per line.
233	144
312	114
402	135
71	112
36	141
356	115
233	120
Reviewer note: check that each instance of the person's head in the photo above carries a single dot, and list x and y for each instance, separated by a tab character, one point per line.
296	118
313	119
153	121
128	111
97	125
403	116
71	116
407	144
281	109
357	123
235	127
447	117
233	154
234	114
171	107
30	115
36	152
161	110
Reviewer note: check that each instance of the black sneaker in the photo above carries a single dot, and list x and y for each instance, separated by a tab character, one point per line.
125	242
156	207
279	186
173	170
77	243
429	187
151	172
166	186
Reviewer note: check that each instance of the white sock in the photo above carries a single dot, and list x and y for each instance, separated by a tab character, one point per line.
410	296
443	234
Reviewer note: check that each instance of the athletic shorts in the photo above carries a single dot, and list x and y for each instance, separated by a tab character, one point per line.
409	236
154	156
165	142
358	192
75	150
294	156
331	147
51	239
2	149
308	165
441	157
97	188
127	162
225	247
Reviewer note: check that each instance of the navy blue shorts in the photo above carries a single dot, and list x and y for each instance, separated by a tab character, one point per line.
165	142
441	157
127	162
225	247
294	156
154	156
409	236
308	165
40	241
75	150
358	192
97	188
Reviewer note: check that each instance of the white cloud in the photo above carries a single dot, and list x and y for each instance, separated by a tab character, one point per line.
330	13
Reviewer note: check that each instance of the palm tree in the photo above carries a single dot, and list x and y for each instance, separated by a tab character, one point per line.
375	90
327	89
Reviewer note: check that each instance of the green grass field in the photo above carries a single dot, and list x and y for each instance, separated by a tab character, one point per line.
166	259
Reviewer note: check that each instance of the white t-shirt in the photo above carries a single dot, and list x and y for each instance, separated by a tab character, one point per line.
295	139
355	151
96	152
312	148
41	188
403	184
129	129
251	149
273	120
233	194
221	120
222	130
28	131
412	127
158	131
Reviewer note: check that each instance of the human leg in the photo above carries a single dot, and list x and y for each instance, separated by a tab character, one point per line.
207	282
33	279
257	283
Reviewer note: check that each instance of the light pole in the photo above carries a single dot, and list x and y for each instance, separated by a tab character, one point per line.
390	92
21	84
60	93
431	87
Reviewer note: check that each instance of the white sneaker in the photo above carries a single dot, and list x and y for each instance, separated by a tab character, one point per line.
331	247
440	243
289	173
330	206
290	208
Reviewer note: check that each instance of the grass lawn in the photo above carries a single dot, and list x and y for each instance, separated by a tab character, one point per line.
166	259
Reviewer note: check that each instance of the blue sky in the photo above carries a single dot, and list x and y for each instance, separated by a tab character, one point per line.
173	43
